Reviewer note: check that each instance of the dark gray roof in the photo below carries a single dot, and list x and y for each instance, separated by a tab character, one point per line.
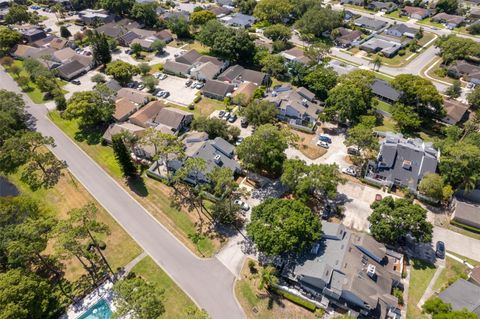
176	67
70	68
217	88
370	23
223	146
113	85
241	20
384	89
462	295
403	28
188	57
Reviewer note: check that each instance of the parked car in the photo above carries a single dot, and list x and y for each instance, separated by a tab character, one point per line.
199	85
188	83
244	123
239	141
353	151
162	76
140	86
325	138
221	114
440	250
48	30
327	211
76	82
166	94
244	206
156	91
349	171
156	75
226	116
159	93
323	144
470	85
232	118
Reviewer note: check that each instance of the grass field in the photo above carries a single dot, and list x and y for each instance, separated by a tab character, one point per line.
421	274
388	125
396	16
428	21
453	270
204	107
384	106
69	194
175	300
151	194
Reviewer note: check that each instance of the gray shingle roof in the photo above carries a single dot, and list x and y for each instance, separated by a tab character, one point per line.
462	295
385	90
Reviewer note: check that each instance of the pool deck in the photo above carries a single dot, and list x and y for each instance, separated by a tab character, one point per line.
79	308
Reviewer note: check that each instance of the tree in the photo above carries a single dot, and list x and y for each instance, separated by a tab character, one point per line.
307	182
98	78
26	296
123	157
100	48
455	90
420	94
18	14
474	97
90	107
145	13
23	82
273	11
377	62
245	6
260	112
150	82
278	32
137	299
317	53
60	102
201	17
121	71
318	20
163	144
265	149
8	39
144	68
474	28
192	312
407	120
158	46
447	6
361	135
119	7
136	49
15	70
320	81
12	115
441	310
281	226
454	48
432	185
274	65
179	26
214	127
267	277
64	32
393	219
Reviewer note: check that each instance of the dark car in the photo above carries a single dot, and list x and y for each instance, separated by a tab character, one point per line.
327	211
244	123
188	83
221	114
353	151
76	82
232	118
440	250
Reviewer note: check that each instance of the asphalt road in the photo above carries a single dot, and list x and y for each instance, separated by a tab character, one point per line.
207	282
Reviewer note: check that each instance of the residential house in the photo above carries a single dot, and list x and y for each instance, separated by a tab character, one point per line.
200	67
144	116
71	70
469	71
167	15
165	35
220	12
95	17
188	57
136	35
386	7
359	3
389	47
138	97
474	14
118	28
415	12
239	20
402	162
347	37
462	295
117	128
63	55
350	271
465	208
295	54
172	121
113	86
474	276
455	111
401	30
296	105
349	15
385	92
205	71
244	94
50	41
370	23
33	34
225	3
176	68
237	74
22	51
451	21
123	109
215	89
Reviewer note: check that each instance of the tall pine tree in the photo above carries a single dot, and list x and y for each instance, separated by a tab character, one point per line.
123	157
100	48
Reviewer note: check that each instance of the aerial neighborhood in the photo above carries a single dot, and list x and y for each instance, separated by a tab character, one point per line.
239	159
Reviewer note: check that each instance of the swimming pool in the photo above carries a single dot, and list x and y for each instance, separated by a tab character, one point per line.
100	310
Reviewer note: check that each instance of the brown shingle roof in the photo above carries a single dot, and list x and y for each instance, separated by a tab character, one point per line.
146	114
123	108
455	109
133	95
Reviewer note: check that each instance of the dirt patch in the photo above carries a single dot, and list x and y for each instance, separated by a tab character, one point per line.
306	145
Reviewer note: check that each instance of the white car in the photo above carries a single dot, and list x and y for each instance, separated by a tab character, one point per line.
349	171
244	206
162	76
323	144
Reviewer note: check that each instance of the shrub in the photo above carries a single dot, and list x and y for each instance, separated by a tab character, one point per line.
251	265
191	107
401	52
102	245
197	99
296	299
399	294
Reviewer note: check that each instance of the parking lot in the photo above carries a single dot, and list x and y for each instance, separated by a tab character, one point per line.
179	94
244	132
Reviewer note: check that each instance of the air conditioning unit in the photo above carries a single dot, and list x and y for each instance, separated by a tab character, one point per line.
217	159
371	271
407	164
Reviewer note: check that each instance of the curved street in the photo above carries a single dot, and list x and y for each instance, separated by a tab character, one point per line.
207	281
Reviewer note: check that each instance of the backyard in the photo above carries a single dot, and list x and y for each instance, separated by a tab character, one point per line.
153	195
421	273
453	270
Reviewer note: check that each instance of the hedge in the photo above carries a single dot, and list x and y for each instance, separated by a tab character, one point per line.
296	299
466	227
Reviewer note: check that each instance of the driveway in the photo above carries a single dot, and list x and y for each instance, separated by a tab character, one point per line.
207	281
244	132
179	94
86	84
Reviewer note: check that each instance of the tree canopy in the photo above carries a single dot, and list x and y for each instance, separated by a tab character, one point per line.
100	48
260	112
447	6
145	13
121	71
454	48
8	39
320	80
282	226
393	219
277	32
201	17
438	309
317	20
90	108
361	135
215	127
273	11
432	185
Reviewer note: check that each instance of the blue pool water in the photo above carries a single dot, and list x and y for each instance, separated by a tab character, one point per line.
100	310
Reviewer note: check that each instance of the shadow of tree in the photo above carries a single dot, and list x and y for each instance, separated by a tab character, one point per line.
137	185
90	135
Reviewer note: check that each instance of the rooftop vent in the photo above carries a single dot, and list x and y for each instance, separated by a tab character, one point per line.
371	271
304	102
217	159
407	164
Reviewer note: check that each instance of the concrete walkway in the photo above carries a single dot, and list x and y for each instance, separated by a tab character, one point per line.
429	291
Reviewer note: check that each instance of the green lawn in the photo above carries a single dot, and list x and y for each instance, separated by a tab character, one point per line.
32	90
388	125
421	274
470	261
384	106
396	16
174	299
429	22
453	270
383	76
153	195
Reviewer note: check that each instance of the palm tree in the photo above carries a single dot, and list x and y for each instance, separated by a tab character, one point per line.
267	277
377	62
